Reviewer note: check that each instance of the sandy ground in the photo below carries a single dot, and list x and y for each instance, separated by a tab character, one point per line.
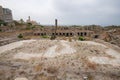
92	43
59	60
115	61
66	49
26	56
13	45
50	52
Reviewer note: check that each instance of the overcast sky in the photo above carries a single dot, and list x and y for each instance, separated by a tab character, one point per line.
68	12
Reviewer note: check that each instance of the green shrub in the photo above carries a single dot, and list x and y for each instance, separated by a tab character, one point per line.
20	36
45	36
29	24
52	37
16	23
28	28
32	27
41	26
0	30
81	38
3	23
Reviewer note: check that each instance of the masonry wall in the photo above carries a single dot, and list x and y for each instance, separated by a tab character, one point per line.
63	31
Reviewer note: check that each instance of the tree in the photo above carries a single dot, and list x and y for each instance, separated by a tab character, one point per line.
29	24
2	22
21	21
20	36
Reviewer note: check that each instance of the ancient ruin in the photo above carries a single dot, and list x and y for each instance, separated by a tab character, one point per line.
31	51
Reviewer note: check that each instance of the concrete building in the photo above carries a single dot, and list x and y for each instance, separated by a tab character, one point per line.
5	14
1	13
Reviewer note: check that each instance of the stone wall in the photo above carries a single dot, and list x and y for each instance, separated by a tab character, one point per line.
63	31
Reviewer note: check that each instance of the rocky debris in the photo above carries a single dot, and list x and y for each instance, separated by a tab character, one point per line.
116	40
112	36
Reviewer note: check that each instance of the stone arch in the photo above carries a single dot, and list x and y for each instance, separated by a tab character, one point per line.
96	36
71	34
67	34
85	33
56	33
53	33
60	34
35	34
81	33
63	34
42	34
38	33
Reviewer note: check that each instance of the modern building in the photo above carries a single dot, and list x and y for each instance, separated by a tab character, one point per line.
1	13
5	14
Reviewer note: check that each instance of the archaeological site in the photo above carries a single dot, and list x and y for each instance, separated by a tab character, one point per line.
33	51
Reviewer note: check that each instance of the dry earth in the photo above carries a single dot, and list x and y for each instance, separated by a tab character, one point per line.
59	60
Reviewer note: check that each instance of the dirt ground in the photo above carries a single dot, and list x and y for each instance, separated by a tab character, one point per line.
59	60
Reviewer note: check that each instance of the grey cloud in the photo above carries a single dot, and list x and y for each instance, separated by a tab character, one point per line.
105	12
79	12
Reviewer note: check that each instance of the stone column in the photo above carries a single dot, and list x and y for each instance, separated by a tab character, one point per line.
55	26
